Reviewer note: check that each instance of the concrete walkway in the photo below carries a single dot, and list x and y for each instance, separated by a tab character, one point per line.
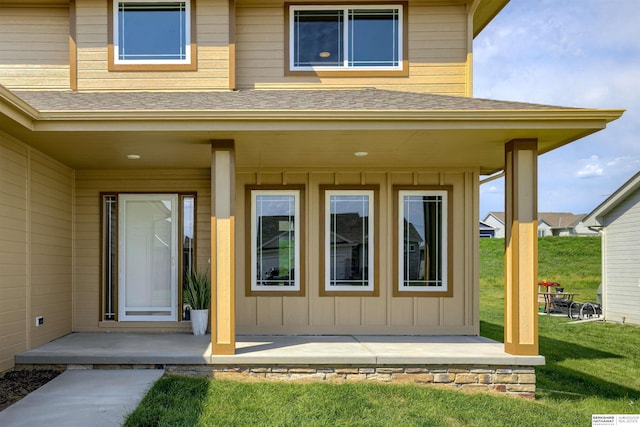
83	397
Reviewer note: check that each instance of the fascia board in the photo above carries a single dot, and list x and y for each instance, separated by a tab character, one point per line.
16	109
484	11
438	120
594	217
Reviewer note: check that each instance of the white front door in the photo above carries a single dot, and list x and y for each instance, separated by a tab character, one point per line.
148	255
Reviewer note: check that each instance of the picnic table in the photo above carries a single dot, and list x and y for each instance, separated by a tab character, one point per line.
557	301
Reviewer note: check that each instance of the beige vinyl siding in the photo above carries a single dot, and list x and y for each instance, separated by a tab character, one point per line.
437	51
89	185
35	249
13	251
34	47
622	258
384	314
51	251
437	48
212	19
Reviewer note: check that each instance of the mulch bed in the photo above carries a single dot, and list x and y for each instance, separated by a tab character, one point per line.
14	385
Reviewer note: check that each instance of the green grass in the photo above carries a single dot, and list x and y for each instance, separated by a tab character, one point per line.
600	360
188	401
592	368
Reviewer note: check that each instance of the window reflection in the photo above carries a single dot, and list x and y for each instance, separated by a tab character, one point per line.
422	240
318	38
275	240
188	242
373	38
110	251
349	241
345	37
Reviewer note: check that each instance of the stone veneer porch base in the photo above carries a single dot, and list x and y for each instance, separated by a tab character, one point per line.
518	381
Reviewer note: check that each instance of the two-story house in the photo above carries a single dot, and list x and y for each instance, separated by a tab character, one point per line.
320	159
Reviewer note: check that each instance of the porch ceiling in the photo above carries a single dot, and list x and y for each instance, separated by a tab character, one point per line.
286	128
386	148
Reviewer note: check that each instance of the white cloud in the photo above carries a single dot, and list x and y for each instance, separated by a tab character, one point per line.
618	160
590	170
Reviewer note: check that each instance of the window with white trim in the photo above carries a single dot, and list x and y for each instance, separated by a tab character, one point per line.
422	241
333	37
348	241
152	32
275	240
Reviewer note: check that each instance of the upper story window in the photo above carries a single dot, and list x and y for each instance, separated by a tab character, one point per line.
334	38
152	33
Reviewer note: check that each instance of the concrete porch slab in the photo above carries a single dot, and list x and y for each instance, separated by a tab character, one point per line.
185	349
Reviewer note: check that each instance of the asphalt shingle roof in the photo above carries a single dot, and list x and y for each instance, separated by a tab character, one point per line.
267	100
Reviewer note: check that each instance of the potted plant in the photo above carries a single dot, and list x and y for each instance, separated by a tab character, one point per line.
197	294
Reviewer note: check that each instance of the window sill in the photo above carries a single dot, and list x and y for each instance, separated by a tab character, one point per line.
373	293
348	73
191	66
153	67
423	294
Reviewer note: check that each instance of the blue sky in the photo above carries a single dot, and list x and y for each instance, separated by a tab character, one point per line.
574	53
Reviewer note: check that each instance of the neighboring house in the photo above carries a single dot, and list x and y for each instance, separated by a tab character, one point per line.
495	220
140	139
549	224
486	230
544	228
564	224
618	220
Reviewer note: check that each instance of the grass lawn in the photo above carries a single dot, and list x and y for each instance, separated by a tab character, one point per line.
592	368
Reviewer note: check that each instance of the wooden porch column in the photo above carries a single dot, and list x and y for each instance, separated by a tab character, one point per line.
521	248
223	328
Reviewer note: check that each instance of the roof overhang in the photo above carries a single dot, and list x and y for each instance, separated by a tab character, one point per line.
596	217
485	12
265	137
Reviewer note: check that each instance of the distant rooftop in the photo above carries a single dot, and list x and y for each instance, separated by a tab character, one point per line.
553	219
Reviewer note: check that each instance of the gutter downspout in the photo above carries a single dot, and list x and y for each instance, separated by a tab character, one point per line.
492	177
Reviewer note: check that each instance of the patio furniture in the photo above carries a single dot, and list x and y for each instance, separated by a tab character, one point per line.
584	310
557	302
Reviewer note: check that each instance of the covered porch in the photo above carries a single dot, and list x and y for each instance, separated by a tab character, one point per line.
219	146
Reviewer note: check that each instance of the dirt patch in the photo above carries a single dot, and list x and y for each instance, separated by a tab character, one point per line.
14	385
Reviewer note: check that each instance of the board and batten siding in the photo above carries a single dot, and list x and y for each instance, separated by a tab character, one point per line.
622	261
89	185
212	21
437	51
383	314
35	249
34	47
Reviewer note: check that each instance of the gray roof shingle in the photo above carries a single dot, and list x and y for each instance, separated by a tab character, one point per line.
267	100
